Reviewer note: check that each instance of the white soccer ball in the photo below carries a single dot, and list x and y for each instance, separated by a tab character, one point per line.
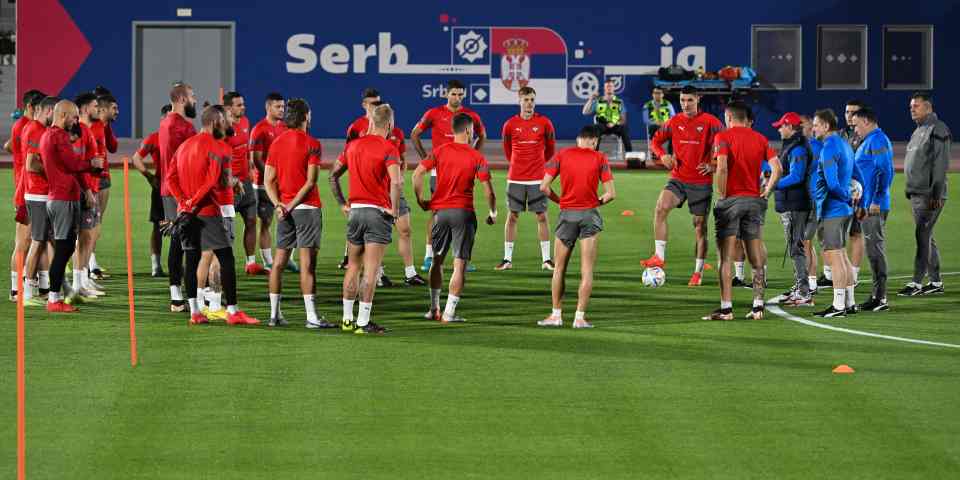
654	277
856	189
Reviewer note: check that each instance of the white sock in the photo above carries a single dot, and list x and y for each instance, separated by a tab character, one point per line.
409	271
194	306
29	286
812	282
434	298
936	284
215	300
274	305
13	281
738	270
850	299
311	308
828	272
155	262
346	249
725	305
267	255
380	273
85	278
579	316
428	252
557	313
202	297
251	259
92	264
232	309
44	277
77	278
348	309
758	302
660	248
175	293
54	297
508	251
856	274
363	317
839	298
699	265
545	250
451	307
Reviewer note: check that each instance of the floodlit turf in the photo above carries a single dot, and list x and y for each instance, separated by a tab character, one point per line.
652	392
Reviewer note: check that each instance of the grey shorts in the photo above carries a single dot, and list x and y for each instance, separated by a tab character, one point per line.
454	229
89	217
300	229
169	208
810	232
522	198
740	217
433	183
209	233
855	227
264	205
833	232
578	224
404	207
369	225
39	221
104	183
64	218
697	197
246	204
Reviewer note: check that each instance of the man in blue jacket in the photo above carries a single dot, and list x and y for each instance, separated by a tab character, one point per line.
874	159
834	206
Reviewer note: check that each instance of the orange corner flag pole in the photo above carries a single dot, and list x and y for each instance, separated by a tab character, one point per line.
21	393
126	226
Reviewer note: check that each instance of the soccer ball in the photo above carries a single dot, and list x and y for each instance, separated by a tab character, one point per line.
856	189
654	277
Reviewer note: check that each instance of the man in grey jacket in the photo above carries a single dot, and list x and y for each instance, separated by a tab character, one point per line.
925	166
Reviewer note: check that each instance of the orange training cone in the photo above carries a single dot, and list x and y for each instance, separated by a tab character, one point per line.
843	369
627	213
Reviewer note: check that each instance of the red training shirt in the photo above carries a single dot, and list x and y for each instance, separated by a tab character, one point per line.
440	122
222	191
151	147
262	135
173	131
63	163
692	142
16	148
746	150
581	171
195	171
36	186
528	144
91	149
367	159
361	126
458	165
290	155
103	133
240	143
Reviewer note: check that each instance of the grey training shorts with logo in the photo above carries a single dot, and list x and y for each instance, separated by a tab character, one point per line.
697	197
740	217
246	204
89	217
369	225
104	183
578	224
833	232
64	218
404	207
300	229
209	233
525	198
264	205
169	208
454	229
39	220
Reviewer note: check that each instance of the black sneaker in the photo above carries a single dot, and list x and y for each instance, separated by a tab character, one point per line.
931	289
823	282
343	263
738	282
97	274
722	314
177	306
755	313
370	328
384	281
831	312
910	290
415	281
874	305
852	310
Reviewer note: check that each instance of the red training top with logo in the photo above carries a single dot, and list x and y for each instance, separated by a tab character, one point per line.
173	131
63	163
361	126
528	144
195	171
367	159
290	155
100	131
440	122
262	135
222	191
36	182
16	147
240	143
458	166
151	146
581	171
746	150
692	142
88	144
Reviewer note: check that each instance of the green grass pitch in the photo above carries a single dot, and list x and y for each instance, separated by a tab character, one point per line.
652	392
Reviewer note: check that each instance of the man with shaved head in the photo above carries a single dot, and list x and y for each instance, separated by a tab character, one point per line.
64	165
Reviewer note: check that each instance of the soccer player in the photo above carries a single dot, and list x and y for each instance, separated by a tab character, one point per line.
794	205
103	132
293	165
438	121
245	200
874	159
174	130
741	205
262	135
36	195
84	288
691	136
580	169
198	174
528	143
375	186
64	166
360	127
458	166
832	197
15	145
849	135
150	147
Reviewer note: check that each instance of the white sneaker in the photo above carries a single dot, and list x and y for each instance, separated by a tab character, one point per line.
550	321
89	283
453	319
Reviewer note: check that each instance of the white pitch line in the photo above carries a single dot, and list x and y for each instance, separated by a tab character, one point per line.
793	318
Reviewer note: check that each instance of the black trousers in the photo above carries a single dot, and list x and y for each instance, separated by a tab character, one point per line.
620	131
